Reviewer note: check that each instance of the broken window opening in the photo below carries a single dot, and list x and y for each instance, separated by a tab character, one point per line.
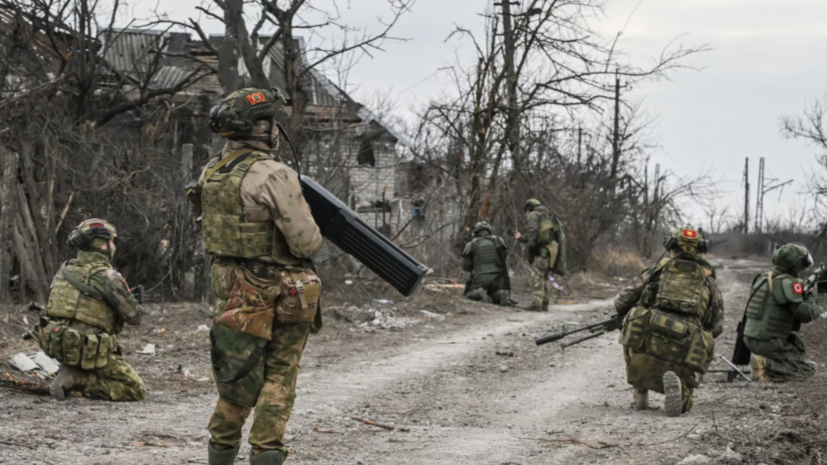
365	155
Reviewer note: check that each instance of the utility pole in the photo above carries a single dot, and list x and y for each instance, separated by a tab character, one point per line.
579	145
511	84
763	188
746	197
616	135
759	198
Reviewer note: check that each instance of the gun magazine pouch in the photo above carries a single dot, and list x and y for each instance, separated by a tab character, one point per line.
75	348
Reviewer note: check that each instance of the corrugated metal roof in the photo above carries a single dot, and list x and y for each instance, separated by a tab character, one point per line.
131	52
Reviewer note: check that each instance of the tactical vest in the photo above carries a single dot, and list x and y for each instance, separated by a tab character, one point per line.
548	231
766	319
68	301
486	257
226	233
682	288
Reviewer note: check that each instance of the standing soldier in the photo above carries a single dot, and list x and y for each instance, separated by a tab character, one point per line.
777	306
258	227
88	306
485	257
545	250
673	311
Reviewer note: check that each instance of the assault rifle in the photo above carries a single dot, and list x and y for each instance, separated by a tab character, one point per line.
811	284
597	330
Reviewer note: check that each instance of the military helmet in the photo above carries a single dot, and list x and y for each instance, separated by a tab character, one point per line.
531	204
236	115
686	239
88	230
793	256
482	226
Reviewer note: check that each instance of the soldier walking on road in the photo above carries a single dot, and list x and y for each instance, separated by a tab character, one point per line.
259	229
88	306
777	306
545	250
671	314
486	257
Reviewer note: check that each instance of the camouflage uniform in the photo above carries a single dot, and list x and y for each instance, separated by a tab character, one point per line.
777	307
649	308
485	257
266	197
87	308
541	255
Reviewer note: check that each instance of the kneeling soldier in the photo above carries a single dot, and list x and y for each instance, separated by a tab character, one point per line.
777	307
87	308
673	311
485	257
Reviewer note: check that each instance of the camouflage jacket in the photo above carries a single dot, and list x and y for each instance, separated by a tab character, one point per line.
112	286
713	320
271	191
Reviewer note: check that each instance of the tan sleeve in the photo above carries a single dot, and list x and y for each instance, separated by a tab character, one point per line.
270	190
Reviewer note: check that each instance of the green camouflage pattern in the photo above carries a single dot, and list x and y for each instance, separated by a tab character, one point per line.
118	304
793	258
682	288
116	381
646	372
300	293
230	350
657	340
786	358
274	403
540	269
225	231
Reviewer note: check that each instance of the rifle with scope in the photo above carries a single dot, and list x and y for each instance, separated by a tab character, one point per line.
597	330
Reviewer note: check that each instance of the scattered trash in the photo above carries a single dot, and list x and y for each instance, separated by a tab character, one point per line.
698	459
23	363
48	364
25	320
373	423
503	368
554	283
348	282
203	328
148	350
504	353
432	315
161	331
38	362
382	302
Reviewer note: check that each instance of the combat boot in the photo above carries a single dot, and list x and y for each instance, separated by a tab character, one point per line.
640	399
67	379
674	398
220	457
270	457
758	366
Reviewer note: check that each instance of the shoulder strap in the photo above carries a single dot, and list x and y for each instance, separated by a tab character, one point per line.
79	284
226	160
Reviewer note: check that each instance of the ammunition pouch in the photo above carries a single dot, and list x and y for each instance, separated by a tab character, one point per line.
299	299
679	341
635	324
75	348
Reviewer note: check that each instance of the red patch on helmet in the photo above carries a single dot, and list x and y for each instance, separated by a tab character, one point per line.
798	288
97	225
255	98
293	291
690	233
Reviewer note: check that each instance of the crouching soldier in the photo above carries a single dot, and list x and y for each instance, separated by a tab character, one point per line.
88	305
671	314
485	257
778	305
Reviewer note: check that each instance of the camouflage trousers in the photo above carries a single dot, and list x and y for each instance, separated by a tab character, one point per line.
540	271
645	373
486	287
116	381
785	358
282	359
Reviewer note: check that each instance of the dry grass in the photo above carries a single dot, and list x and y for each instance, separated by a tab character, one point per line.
616	262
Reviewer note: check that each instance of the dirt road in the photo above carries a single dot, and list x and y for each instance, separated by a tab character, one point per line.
464	387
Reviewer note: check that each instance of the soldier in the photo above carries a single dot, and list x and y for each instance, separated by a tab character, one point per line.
259	229
485	257
87	308
777	306
673	311
542	250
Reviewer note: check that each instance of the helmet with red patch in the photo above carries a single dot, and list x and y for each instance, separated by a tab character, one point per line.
88	230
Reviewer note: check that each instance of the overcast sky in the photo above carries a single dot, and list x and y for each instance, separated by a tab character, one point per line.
767	61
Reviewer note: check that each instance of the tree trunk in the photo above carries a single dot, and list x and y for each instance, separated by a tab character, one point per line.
228	52
8	164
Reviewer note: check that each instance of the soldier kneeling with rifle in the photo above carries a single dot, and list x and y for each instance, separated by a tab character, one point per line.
485	257
672	313
779	302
